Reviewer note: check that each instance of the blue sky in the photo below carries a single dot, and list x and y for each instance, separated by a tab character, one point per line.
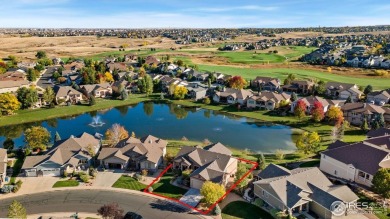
192	13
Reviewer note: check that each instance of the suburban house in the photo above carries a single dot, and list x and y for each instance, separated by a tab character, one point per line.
299	87
131	57
133	153
379	97
65	94
310	100
71	154
150	60
197	91
232	96
349	161
213	163
342	91
119	66
3	166
74	66
11	81
266	83
300	190
267	100
97	90
355	113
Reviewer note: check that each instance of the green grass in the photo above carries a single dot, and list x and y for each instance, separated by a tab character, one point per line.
312	163
249	57
163	187
282	73
241	209
66	183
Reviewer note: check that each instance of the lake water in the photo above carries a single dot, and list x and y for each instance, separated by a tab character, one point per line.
170	121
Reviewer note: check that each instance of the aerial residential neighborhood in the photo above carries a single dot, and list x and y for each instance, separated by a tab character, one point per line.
222	109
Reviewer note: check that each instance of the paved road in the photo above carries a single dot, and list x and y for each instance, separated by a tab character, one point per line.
43	82
91	200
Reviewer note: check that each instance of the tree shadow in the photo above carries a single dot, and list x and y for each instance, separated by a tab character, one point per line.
168	206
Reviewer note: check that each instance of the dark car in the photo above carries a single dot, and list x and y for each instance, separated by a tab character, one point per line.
132	215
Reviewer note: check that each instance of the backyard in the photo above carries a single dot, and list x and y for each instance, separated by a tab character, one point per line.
241	209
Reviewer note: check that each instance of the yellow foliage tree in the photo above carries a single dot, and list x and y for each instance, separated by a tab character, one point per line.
108	77
329	69
115	134
212	192
334	113
37	137
8	104
180	92
308	142
141	72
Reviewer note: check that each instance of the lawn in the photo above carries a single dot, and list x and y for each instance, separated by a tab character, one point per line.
66	183
163	187
282	73
312	163
241	209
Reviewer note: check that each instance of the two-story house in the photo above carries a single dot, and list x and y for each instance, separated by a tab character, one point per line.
379	97
299	87
343	91
311	100
265	83
232	96
65	94
355	113
267	100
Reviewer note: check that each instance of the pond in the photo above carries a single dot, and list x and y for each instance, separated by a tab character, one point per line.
169	121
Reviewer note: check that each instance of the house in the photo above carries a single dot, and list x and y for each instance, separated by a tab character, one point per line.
57	61
349	161
119	66
150	60
74	66
132	58
379	97
197	91
133	153
213	163
232	96
97	90
265	83
223	79
66	94
11	81
3	166
267	100
310	100
300	190
378	132
299	87
355	113
343	91
71	154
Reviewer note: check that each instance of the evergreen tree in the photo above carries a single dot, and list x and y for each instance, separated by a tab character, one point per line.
92	100
364	125
293	97
57	137
349	100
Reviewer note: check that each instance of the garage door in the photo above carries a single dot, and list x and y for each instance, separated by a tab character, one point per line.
114	166
53	172
196	184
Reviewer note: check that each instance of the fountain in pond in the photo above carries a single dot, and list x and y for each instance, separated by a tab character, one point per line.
96	122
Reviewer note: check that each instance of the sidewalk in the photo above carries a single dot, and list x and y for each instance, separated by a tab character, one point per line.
59	215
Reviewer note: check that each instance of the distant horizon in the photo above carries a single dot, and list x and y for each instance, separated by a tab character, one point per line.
176	14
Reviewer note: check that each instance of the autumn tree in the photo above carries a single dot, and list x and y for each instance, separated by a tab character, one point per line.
336	115
317	112
16	210
111	211
37	137
237	82
141	72
381	182
212	192
115	134
180	92
8	104
308	142
49	95
108	77
27	97
300	109
146	85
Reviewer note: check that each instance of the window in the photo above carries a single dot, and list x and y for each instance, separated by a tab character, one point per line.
335	172
361	174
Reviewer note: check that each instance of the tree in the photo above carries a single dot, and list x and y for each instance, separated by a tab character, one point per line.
300	109
32	74
368	89
261	162
9	144
27	97
146	85
111	211
212	192
237	82
241	171
308	142
293	97
141	72
349	99
320	88
381	182
41	54
16	210
8	103
115	134
180	92
133	134
57	137
206	100
317	112
37	137
381	120
279	154
108	77
180	62
289	79
336	115
364	126
92	100
49	95
124	95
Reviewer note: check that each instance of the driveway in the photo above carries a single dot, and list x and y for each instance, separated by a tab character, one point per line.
88	201
107	178
43	81
36	184
192	197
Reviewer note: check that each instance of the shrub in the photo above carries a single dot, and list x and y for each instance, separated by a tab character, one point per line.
259	202
92	172
176	172
206	100
381	73
7	189
84	178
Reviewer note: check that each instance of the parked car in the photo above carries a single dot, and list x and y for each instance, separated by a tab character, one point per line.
132	215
